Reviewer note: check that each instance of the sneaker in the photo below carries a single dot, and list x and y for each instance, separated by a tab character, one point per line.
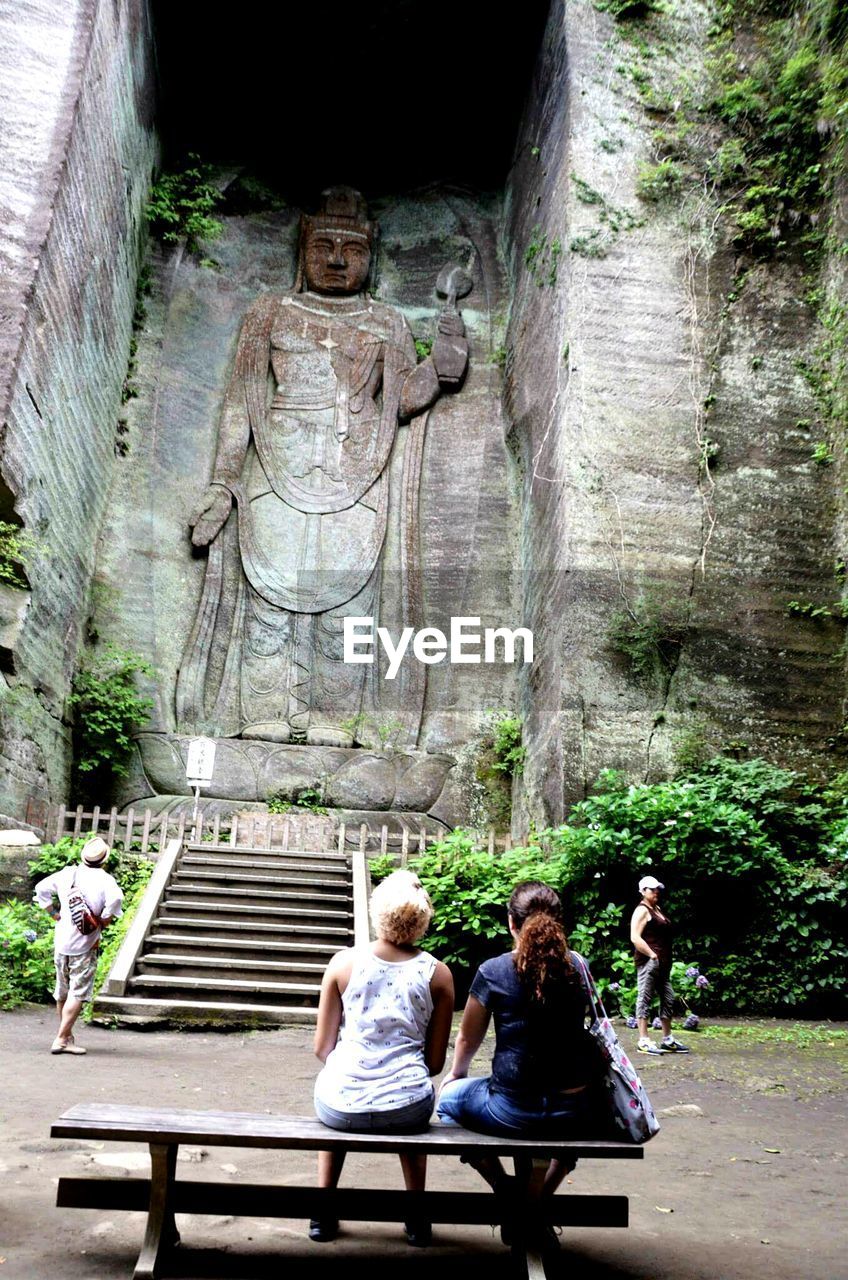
418	1233
67	1046
648	1046
670	1045
323	1230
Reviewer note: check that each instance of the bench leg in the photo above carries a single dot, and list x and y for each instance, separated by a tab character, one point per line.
530	1243
161	1230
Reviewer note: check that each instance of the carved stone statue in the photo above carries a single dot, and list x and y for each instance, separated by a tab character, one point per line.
296	514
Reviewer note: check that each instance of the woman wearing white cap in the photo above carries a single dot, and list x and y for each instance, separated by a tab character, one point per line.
88	899
650	933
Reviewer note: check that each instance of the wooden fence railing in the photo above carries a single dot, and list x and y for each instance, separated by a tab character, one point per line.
147	832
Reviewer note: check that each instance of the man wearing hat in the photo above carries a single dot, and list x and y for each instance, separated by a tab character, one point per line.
650	933
75	952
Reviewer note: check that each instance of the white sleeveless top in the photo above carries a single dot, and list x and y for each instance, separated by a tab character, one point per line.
378	1062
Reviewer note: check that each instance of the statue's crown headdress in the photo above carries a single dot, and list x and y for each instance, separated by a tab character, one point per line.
342	209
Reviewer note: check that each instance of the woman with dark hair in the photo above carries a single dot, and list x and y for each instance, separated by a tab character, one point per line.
544	1058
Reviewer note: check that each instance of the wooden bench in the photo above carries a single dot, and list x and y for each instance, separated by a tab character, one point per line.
161	1196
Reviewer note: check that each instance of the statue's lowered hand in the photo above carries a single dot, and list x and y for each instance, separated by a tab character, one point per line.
209	516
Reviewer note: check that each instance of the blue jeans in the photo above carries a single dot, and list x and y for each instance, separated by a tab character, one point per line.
478	1104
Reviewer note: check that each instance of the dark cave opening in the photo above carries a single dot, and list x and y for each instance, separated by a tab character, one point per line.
390	96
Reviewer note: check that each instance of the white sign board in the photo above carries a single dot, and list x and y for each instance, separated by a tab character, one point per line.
200	763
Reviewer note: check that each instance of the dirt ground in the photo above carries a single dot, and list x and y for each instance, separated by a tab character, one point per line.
753	1185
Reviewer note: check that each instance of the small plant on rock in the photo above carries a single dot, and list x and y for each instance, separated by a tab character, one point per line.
181	205
108	709
16	546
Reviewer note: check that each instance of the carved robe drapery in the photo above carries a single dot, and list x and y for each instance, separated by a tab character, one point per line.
307	434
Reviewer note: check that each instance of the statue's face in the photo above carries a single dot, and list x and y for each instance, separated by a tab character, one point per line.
336	261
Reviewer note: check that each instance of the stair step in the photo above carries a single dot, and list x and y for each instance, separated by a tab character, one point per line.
321	951
145	1011
252	851
256	926
303	873
247	887
236	968
208	906
228	986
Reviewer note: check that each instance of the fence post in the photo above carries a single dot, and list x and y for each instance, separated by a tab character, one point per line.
341	845
145	832
77	821
129	832
60	822
404	846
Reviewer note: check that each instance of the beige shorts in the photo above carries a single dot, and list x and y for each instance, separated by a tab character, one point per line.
75	975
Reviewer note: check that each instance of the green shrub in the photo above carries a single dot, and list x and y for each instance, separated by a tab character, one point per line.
107	710
26	954
754	858
469	888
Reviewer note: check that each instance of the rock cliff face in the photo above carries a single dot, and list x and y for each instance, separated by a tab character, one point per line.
665	436
75	163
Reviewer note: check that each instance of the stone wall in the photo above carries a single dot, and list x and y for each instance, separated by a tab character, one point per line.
664	453
77	154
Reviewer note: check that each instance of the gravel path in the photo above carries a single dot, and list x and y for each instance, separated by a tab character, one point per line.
748	1181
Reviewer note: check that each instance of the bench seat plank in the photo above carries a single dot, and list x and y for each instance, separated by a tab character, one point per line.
115	1122
264	1200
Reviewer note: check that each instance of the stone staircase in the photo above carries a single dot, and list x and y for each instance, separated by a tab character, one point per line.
236	936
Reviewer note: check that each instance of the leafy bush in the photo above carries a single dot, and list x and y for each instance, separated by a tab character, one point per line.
108	709
754	857
469	888
26	954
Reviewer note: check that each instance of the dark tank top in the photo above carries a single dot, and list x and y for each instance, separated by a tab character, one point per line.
657	933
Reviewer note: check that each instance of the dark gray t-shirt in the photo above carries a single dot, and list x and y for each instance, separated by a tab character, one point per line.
539	1048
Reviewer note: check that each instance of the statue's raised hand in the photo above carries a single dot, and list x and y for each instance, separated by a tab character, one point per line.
209	515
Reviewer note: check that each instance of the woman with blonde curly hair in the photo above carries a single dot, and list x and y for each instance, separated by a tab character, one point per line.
383	1024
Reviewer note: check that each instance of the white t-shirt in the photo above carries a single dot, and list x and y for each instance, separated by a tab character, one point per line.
100	891
378	1062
